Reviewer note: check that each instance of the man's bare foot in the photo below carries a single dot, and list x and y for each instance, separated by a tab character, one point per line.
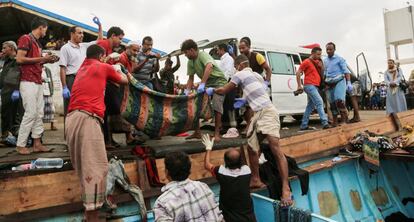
22	150
194	136
286	198
41	149
256	184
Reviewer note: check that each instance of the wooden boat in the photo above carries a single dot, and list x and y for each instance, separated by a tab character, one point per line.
346	190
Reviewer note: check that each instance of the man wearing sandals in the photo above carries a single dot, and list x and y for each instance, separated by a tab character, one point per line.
313	69
29	56
264	123
338	79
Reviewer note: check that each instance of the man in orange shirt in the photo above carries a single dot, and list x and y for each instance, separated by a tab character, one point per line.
313	69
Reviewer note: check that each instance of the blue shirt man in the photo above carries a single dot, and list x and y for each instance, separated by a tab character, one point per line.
338	80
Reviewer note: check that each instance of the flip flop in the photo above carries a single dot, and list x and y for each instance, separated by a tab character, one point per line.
354	121
48	150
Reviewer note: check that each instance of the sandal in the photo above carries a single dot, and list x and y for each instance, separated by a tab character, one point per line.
354	121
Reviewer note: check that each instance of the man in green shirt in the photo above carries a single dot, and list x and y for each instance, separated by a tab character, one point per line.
207	70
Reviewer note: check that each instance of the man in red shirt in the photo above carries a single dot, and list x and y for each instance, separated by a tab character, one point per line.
83	127
128	57
113	40
117	122
313	69
29	56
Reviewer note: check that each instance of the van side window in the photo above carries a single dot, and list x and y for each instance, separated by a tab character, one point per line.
296	59
281	63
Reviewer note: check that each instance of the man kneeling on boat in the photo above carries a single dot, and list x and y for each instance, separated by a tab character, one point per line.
264	124
234	179
83	127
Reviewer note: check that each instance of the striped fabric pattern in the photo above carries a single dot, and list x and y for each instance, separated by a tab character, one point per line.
159	114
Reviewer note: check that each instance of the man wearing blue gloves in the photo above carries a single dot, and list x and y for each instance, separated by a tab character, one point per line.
11	104
264	123
338	80
72	55
207	70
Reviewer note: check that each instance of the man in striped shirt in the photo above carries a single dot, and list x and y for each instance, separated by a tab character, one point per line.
184	199
264	124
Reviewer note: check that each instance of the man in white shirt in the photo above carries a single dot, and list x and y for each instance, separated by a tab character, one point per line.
72	55
227	66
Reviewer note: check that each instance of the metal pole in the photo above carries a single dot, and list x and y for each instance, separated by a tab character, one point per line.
387	44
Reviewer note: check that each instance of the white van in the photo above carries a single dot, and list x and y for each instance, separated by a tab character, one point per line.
283	61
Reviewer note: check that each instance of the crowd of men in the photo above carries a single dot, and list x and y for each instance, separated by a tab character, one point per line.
92	90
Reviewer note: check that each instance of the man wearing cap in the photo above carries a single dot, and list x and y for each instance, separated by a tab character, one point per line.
12	108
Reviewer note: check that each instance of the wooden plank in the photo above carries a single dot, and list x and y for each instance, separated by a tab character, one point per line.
45	190
316	142
197	165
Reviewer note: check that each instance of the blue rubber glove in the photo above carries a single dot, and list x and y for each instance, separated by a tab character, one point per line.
201	88
96	20
15	95
230	49
349	86
266	84
186	92
210	91
240	102
66	93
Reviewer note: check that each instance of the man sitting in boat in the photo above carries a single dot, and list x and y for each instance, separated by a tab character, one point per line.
184	199
234	179
264	124
83	127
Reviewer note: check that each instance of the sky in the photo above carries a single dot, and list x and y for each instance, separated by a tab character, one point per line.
354	25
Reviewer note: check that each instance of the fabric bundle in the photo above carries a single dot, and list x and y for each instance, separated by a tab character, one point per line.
287	214
117	175
158	114
372	145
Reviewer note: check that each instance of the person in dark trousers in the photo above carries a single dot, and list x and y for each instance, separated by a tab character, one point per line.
234	179
12	107
167	74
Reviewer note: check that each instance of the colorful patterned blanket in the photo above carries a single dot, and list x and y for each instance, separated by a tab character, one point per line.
159	114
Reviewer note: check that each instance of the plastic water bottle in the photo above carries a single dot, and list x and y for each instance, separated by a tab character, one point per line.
23	167
47	163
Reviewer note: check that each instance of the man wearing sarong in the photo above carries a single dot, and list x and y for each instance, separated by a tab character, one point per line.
83	127
264	123
202	64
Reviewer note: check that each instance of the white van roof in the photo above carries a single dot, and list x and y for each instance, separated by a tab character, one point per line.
203	44
278	48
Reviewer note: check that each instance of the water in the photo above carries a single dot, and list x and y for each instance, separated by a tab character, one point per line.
47	163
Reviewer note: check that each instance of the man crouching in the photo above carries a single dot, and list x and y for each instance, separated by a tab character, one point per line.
264	124
83	127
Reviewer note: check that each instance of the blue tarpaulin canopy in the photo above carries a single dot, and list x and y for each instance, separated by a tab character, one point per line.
16	17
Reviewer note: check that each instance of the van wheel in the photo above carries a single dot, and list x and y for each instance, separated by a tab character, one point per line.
297	117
